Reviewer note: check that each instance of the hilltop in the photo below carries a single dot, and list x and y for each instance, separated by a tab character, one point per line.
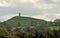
23	20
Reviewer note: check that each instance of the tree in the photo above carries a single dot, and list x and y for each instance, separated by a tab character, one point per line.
57	22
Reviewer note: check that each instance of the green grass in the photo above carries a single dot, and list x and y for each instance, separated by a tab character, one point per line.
11	36
55	27
23	20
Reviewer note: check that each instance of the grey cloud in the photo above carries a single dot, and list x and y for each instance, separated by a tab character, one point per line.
5	11
30	9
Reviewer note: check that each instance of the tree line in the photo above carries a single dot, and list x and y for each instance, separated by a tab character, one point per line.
32	34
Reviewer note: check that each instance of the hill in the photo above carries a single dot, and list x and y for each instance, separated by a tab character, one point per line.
25	22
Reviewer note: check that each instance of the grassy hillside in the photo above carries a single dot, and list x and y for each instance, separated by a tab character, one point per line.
23	20
25	23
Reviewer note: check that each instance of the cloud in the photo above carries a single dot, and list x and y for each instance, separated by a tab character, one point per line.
26	4
58	14
56	1
36	3
42	9
4	3
29	1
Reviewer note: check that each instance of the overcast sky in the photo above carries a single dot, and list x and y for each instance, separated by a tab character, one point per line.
41	9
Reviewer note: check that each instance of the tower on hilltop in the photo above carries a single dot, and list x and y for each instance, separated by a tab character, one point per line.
19	14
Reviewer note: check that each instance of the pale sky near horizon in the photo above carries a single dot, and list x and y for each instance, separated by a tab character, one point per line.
41	9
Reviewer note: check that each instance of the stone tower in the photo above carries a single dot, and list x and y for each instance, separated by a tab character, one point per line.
19	14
